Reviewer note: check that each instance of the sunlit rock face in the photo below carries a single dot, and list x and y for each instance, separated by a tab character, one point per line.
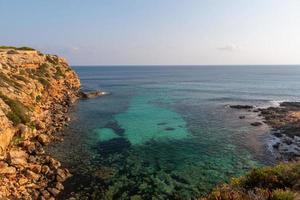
31	84
36	91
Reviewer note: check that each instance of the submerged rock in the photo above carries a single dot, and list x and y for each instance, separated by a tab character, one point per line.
169	129
241	106
256	124
115	126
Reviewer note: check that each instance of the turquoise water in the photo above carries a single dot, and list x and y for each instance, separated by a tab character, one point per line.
167	132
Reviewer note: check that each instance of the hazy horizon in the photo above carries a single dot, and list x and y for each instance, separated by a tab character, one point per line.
170	32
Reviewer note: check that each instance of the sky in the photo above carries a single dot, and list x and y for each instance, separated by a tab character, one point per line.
156	32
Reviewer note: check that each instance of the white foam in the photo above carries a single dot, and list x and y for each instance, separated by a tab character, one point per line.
271	140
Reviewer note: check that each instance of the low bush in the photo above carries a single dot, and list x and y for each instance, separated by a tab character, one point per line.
44	82
17	48
42	70
266	183
18	113
282	195
38	98
58	73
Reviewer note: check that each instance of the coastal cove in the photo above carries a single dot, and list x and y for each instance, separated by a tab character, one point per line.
166	132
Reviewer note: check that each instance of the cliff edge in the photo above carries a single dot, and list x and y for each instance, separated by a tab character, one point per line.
36	91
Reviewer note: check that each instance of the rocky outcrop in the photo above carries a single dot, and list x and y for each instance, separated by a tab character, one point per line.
93	94
285	124
241	106
36	91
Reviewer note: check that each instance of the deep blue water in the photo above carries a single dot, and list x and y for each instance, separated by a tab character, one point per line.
166	132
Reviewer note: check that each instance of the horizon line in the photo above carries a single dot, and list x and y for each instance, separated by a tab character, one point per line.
169	65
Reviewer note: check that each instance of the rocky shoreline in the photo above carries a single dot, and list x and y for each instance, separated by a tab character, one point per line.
36	92
284	122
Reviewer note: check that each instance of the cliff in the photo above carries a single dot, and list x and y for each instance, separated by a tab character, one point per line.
36	91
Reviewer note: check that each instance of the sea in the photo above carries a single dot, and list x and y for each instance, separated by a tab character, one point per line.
168	132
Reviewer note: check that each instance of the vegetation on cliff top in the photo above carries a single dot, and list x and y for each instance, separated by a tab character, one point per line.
281	182
17	48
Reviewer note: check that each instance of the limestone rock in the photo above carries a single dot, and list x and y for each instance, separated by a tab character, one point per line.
32	175
5	169
53	191
44	139
18	157
24	131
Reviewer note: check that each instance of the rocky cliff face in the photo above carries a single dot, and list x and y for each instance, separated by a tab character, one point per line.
36	91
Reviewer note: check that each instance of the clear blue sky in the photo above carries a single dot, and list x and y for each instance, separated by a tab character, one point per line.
156	31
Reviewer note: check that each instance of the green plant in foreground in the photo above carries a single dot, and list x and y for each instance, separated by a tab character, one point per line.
267	183
282	195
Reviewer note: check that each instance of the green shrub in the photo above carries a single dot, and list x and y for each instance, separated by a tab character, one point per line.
16	140
282	195
58	73
18	113
42	70
44	82
266	183
17	48
280	176
26	48
38	98
22	72
14	118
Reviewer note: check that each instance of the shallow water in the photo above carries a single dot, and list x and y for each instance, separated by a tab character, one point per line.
166	132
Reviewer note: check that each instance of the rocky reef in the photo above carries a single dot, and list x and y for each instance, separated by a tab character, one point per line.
36	91
284	122
280	182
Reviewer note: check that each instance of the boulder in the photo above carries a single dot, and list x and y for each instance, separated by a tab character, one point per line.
17	158
53	164
30	174
53	191
43	139
62	175
24	131
5	169
22	181
45	194
40	125
59	186
36	168
45	169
